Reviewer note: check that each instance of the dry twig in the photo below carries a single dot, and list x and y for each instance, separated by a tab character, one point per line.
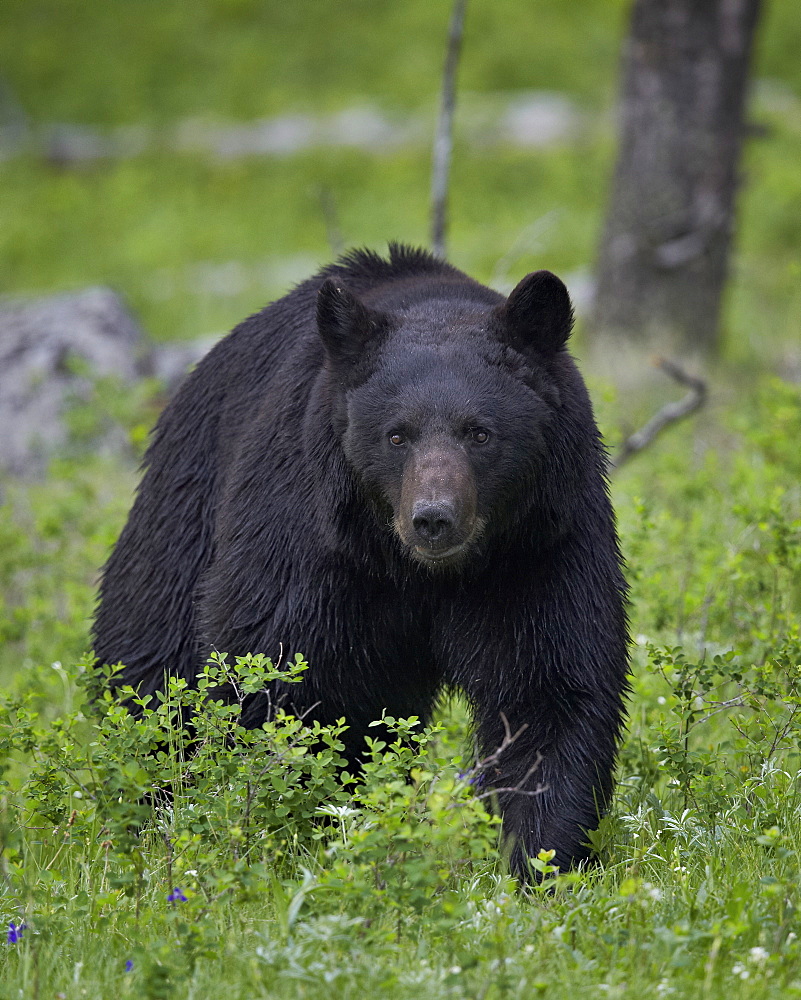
443	139
669	414
518	789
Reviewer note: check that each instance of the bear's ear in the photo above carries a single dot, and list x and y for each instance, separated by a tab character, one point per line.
537	316
345	324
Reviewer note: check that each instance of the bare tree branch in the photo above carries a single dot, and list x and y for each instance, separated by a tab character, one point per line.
720	706
669	414
481	766
518	789
443	139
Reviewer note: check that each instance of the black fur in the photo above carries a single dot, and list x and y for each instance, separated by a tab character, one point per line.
292	497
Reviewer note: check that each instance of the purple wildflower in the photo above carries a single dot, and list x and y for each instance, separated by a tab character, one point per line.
473	777
129	965
176	896
15	932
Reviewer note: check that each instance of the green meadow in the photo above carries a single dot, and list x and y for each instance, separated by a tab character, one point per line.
262	873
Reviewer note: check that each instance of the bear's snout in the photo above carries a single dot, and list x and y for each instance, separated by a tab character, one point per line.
434	523
437	516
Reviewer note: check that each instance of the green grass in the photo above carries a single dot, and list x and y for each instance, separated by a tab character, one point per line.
697	891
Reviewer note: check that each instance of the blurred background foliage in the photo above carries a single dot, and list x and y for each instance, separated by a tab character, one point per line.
196	240
698	894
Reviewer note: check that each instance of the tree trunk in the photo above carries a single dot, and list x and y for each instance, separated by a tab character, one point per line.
665	246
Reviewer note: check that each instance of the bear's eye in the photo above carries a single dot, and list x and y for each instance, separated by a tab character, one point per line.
397	439
479	435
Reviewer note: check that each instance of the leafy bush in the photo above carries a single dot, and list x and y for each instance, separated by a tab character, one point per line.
185	804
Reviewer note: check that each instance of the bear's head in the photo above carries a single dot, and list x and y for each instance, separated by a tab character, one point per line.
444	394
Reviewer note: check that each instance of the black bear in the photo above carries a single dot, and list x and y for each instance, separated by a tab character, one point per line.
395	471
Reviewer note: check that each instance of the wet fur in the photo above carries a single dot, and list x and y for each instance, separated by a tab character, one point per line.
265	522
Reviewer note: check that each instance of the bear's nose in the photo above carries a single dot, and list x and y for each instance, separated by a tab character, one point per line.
434	523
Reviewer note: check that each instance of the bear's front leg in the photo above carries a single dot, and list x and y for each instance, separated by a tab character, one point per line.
551	759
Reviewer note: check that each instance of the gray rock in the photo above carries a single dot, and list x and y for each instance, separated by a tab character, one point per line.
527	119
170	363
540	119
49	350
